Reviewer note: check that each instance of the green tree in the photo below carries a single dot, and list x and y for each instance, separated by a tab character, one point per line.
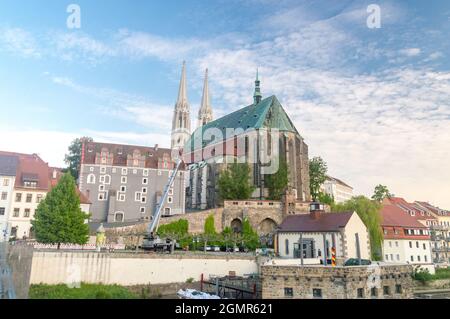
234	182
177	230
59	218
209	233
73	158
249	236
317	175
277	183
369	212
325	198
381	192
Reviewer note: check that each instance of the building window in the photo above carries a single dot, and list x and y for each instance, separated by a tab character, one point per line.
137	197
424	246
101	187
425	258
396	244
171	191
167	211
398	257
386	290
118	217
91	169
159	173
107	179
145	181
16	212
123	189
38	198
103	170
410	244
417	244
317	293
412	258
374	292
2	211
390	244
91	179
124	171
286	244
102	196
26	212
360	293
142	210
114	170
135	170
145	172
123	180
18	197
418	258
121	197
398	289
4	195
144	199
386	257
6	182
144	190
288	292
169	200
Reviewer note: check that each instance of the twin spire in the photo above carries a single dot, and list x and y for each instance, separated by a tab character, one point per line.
205	112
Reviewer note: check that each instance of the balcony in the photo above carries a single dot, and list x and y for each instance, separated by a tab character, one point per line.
441	249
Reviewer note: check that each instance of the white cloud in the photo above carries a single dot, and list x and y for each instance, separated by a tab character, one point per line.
410	52
19	41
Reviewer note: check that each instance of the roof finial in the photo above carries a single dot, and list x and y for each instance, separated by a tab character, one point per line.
257	95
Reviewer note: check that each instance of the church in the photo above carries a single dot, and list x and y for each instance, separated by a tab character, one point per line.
262	127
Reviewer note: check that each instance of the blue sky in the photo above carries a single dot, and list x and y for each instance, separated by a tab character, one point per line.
374	103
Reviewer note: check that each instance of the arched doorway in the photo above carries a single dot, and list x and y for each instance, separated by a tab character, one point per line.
266	231
236	225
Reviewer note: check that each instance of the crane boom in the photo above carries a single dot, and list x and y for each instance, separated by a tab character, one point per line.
153	226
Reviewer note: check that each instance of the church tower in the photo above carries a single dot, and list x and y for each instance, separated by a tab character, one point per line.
205	112
181	123
257	96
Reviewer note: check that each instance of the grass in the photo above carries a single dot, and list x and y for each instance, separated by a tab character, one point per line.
442	273
424	276
86	291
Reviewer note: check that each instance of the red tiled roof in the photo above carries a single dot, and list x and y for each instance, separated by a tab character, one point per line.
306	223
392	215
30	167
433	209
408	208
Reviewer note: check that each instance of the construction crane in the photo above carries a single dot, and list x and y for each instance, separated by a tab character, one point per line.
152	241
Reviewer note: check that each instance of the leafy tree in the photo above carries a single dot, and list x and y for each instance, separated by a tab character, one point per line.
177	230
325	198
73	158
381	192
369	212
230	238
249	235
59	218
317	175
210	234
234	182
277	183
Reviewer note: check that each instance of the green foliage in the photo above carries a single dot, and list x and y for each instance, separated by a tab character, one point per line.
190	280
59	218
381	192
209	228
86	291
422	275
369	212
234	182
177	230
73	158
317	175
442	273
277	183
326	199
249	236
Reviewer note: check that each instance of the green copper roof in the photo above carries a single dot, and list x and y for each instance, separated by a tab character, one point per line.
266	114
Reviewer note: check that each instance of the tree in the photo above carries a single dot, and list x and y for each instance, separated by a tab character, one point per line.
249	235
73	158
277	183
369	212
209	234
325	198
234	182
177	230
59	218
317	175
381	192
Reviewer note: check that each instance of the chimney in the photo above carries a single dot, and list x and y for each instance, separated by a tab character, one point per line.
156	147
315	209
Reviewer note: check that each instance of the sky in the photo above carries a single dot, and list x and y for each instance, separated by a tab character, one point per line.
374	103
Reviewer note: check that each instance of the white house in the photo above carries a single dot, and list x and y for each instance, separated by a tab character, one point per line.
336	188
8	167
318	232
405	239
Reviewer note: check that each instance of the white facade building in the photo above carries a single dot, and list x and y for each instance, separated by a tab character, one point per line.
8	167
336	188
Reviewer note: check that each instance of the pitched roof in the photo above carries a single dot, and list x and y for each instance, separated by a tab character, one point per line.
326	222
337	180
122	152
8	165
408	208
433	209
268	113
393	215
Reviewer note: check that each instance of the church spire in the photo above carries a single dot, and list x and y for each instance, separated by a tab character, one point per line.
181	123
257	96
205	111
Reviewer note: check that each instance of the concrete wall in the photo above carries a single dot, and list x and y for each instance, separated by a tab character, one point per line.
132	269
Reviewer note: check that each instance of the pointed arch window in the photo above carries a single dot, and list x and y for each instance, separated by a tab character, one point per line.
91	179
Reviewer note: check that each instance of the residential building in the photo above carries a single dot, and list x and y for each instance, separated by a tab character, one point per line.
440	232
8	167
124	182
405	239
316	233
337	189
249	135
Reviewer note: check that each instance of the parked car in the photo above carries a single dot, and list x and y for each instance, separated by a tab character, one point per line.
355	262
